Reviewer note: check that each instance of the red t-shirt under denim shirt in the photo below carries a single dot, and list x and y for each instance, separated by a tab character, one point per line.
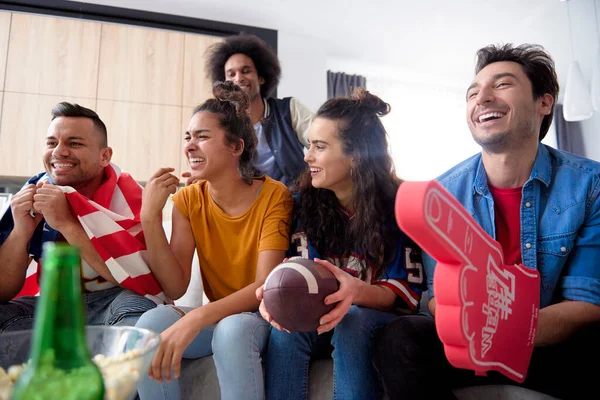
507	207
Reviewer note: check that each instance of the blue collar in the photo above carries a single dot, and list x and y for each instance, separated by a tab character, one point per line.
542	171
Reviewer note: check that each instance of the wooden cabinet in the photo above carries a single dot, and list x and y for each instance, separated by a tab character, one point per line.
142	82
53	56
23	129
196	86
141	64
186	115
1	102
4	32
144	137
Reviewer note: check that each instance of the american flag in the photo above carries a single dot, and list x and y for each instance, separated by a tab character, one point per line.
112	222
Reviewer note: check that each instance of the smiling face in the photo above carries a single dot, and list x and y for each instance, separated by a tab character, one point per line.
329	165
74	155
501	110
208	152
240	69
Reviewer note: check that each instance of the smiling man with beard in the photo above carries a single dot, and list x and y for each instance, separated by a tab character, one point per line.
543	206
79	181
281	125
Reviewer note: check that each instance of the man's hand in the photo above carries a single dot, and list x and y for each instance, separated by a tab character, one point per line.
50	201
157	191
21	205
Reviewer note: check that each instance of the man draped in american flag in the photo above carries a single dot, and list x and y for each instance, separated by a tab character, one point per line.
85	200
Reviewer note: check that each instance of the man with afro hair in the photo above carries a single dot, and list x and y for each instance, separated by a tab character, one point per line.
281	125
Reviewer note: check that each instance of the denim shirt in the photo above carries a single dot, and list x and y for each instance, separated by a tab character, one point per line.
560	221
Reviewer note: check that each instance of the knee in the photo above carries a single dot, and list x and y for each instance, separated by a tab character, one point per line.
158	319
240	330
397	339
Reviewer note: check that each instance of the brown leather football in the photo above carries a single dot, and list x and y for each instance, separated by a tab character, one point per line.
294	294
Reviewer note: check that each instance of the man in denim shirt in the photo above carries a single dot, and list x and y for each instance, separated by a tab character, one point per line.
543	206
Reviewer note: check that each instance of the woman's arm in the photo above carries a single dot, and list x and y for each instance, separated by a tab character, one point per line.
352	291
171	263
374	296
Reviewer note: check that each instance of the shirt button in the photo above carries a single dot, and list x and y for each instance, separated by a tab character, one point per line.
528	245
528	204
563	249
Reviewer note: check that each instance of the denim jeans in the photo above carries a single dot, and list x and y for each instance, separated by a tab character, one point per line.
115	306
410	360
237	342
350	345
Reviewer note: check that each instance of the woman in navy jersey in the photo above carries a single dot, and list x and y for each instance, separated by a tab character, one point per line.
344	218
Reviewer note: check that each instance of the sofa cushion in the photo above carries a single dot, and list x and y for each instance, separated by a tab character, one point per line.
199	381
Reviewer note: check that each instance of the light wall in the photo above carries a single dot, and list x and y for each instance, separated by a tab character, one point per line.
419	118
586	49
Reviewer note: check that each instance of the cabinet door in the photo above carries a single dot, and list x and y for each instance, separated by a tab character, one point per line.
197	87
141	64
186	115
25	121
53	56
4	30
1	102
144	137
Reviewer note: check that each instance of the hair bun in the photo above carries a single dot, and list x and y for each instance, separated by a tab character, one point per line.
370	103
233	94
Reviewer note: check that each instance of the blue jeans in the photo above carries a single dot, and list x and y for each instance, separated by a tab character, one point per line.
114	306
237	342
354	377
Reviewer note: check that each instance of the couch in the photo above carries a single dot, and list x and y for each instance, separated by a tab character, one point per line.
199	377
199	381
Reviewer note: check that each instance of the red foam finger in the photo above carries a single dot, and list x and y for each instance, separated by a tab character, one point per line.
486	311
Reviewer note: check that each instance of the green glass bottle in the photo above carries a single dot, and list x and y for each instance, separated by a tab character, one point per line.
60	365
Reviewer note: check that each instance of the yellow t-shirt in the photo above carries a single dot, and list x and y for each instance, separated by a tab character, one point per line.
228	246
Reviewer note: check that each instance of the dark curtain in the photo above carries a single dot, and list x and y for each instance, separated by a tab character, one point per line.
340	84
568	134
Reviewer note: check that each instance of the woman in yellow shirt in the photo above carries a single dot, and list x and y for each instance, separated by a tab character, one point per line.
238	224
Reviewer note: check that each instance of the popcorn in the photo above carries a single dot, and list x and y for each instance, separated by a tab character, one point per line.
120	372
14	371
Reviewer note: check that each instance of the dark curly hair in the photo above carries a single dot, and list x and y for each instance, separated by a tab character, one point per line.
372	230
231	105
264	58
537	64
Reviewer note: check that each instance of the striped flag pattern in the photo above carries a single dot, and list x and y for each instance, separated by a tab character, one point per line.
112	222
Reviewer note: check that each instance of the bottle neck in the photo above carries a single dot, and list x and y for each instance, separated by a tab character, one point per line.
59	335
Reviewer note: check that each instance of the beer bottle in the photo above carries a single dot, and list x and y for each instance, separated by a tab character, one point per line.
60	366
